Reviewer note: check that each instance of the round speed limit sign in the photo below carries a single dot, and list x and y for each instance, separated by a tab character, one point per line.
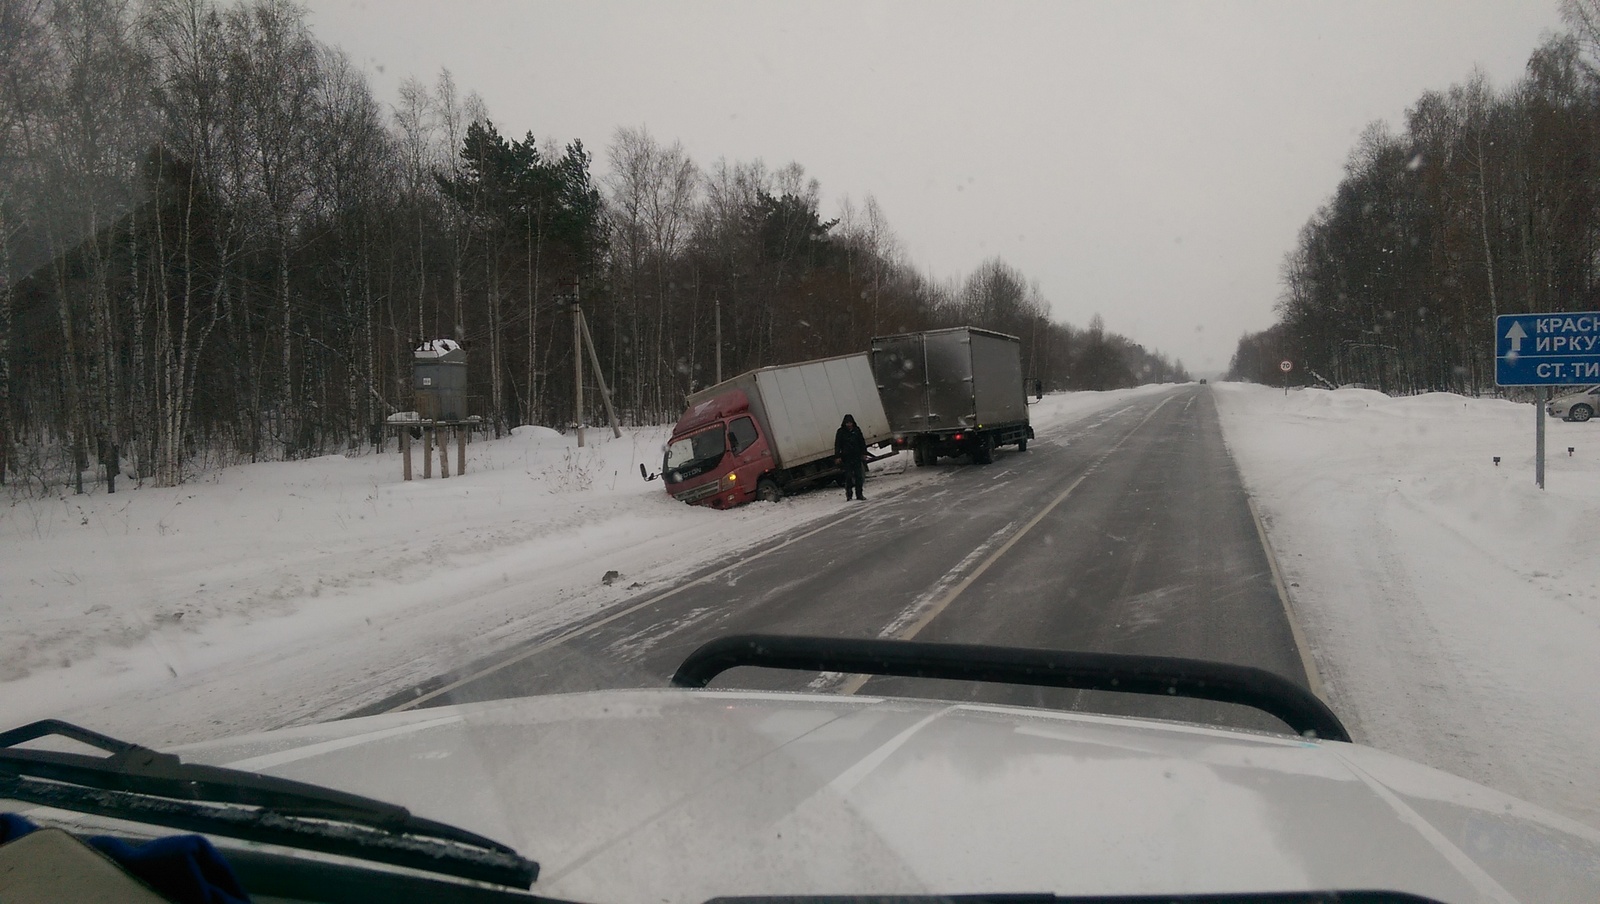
1285	366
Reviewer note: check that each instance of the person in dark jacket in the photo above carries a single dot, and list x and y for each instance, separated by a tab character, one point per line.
850	451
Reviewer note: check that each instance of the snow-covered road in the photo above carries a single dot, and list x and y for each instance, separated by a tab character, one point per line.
1453	609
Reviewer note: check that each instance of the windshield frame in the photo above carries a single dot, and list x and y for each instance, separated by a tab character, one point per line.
702	454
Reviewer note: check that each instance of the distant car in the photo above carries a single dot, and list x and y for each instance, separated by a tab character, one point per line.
1202	381
1576	406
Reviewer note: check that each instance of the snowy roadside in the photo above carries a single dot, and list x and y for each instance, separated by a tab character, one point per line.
274	594
1453	608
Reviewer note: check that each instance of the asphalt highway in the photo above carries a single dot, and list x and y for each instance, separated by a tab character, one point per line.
1128	531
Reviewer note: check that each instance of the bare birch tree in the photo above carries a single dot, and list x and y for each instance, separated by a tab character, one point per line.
419	157
274	72
22	96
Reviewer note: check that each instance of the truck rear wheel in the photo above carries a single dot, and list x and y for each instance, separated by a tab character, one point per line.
919	456
767	491
1022	445
983	452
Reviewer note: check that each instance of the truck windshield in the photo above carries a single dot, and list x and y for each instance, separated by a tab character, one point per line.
689	455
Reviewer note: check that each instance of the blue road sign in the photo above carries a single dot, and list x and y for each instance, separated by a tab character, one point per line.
1546	349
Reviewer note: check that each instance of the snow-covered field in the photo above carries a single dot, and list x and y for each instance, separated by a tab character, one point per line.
272	594
1453	607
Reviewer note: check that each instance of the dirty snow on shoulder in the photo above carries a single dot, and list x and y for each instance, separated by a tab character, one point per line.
261	595
1453	607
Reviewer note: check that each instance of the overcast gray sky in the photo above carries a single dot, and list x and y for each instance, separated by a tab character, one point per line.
1152	162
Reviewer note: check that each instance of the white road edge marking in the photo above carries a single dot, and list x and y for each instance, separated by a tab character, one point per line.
595	625
911	630
1301	645
827	680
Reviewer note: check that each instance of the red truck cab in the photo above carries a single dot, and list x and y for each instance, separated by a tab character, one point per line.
718	454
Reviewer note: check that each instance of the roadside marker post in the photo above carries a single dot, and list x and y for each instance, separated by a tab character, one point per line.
1544	350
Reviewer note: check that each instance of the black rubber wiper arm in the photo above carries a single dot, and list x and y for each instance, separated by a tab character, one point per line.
131	772
1122	672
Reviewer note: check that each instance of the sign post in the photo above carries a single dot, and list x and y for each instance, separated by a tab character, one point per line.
1544	350
1539	397
1286	365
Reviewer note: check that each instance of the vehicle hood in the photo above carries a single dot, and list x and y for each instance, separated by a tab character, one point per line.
677	796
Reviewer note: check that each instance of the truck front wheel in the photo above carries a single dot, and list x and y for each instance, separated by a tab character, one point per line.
767	491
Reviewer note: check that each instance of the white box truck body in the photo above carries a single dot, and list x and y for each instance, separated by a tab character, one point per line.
770	431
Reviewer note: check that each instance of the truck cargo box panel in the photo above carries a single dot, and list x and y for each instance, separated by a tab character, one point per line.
998	394
800	405
951	379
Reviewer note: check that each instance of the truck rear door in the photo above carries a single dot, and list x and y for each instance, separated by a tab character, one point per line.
900	369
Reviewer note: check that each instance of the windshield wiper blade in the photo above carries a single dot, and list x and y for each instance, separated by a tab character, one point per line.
139	783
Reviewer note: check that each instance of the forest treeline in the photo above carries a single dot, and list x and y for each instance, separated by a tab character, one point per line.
216	245
1486	203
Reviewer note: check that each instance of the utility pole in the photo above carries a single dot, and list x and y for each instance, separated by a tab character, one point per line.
600	378
580	338
717	302
571	300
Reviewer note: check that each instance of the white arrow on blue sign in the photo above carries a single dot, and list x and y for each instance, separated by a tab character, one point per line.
1547	349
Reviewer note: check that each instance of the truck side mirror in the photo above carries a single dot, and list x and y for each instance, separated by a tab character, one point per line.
646	474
